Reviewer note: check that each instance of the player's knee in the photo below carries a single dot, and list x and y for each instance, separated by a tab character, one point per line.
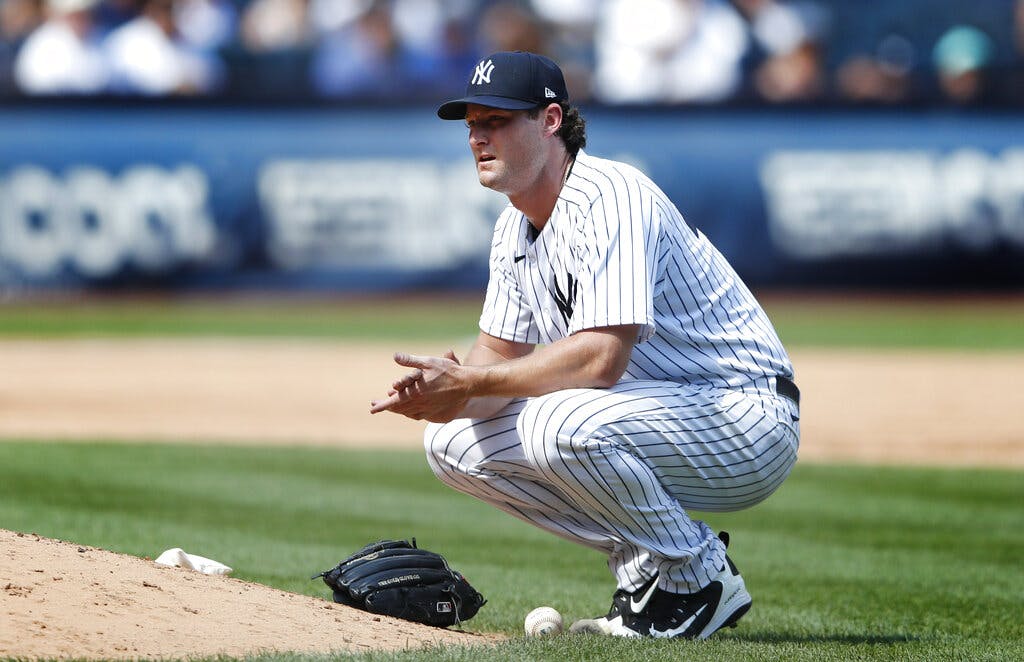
454	452
437	440
543	429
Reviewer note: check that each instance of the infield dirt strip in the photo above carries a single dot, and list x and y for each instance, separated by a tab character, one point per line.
62	600
877	406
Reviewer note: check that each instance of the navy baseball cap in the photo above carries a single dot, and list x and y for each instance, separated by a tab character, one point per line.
513	81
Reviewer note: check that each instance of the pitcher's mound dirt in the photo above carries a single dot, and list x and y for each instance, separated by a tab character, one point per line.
62	600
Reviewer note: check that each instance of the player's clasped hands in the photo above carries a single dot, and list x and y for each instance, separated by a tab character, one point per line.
431	391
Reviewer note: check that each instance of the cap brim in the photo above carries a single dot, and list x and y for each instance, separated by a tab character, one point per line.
456	108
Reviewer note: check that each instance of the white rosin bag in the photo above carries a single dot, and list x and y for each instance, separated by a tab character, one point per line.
178	557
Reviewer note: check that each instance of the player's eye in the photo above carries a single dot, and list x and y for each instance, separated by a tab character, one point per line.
488	123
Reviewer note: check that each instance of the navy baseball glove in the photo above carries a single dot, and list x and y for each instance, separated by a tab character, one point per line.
395	578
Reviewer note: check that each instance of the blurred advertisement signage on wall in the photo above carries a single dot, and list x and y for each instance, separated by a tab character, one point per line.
348	199
375	213
88	223
825	204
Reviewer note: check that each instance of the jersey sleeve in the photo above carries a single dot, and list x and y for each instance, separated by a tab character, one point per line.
506	314
616	252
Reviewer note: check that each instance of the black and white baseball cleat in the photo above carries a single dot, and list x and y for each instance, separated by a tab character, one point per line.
652	612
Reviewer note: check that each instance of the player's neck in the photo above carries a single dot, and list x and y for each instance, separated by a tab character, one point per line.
538	201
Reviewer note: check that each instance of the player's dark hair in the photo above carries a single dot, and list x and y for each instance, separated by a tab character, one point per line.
573	131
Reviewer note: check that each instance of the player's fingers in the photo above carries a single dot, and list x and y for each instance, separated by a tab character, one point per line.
394	399
397	397
397	406
450	355
393	404
407	380
413	361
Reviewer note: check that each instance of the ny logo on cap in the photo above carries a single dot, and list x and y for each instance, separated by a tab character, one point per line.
483	73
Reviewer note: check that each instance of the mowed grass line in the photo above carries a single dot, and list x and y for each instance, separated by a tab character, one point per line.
384	317
801	320
904	321
843	562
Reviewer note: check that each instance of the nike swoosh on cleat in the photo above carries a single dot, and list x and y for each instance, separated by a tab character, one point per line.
519	258
637	606
682	628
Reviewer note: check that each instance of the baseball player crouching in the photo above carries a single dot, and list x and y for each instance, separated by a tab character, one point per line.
660	385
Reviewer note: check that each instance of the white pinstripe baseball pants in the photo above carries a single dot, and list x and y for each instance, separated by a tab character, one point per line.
615	469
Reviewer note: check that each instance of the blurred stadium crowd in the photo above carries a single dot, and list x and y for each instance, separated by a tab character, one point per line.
613	51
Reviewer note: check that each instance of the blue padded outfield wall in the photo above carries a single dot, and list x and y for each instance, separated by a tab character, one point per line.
370	199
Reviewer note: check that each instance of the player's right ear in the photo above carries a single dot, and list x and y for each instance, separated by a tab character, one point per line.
552	119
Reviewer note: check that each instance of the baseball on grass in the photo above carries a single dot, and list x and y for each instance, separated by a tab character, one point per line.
542	622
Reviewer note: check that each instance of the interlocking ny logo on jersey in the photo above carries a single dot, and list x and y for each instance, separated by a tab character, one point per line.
566	300
483	73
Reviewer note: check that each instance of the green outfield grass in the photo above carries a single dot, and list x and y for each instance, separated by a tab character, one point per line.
985	323
843	562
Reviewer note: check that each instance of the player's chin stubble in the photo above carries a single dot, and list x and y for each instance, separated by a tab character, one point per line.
490	178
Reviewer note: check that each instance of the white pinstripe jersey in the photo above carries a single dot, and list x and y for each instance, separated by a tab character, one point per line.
616	251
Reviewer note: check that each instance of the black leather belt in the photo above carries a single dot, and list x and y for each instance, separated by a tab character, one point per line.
787	389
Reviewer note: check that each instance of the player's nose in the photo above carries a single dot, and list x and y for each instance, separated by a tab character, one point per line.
477	136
